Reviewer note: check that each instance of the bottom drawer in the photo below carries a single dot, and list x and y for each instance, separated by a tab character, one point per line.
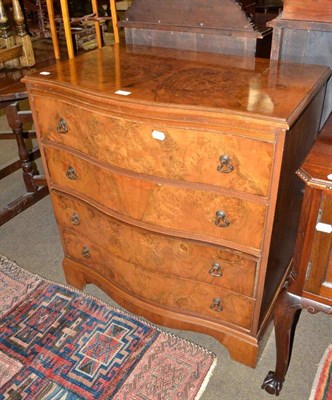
174	293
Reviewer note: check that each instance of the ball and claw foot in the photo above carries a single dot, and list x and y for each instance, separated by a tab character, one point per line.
272	385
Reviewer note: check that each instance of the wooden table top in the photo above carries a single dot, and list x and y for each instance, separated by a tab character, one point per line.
11	86
215	83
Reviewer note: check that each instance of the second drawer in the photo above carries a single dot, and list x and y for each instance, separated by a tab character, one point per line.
209	215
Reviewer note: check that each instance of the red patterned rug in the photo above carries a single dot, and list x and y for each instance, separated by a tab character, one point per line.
58	343
322	386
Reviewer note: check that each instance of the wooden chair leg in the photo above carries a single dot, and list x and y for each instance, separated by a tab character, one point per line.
97	25
54	35
28	167
114	21
36	187
66	25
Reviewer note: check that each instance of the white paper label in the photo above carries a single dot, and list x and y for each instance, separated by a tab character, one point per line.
321	227
158	135
123	92
329	177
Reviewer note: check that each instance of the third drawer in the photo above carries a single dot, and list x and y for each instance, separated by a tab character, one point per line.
155	252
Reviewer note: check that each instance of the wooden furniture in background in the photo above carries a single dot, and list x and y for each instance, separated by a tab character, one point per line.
172	177
310	283
306	10
229	27
269	6
66	19
303	34
15	44
17	54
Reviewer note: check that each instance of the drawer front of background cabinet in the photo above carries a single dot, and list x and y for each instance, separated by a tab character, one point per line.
154	149
178	294
158	253
204	213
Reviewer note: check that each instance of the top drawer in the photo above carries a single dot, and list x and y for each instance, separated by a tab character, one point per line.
153	148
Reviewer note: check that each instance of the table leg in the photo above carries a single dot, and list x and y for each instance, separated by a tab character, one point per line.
286	314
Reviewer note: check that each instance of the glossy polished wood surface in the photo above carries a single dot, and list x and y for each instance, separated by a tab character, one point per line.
247	87
179	197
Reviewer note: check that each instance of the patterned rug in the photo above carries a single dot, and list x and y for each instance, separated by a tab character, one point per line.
58	343
322	386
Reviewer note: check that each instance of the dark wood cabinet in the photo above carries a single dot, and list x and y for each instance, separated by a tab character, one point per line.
310	283
303	34
228	26
172	176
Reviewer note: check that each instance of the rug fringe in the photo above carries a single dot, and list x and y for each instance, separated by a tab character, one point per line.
206	380
319	372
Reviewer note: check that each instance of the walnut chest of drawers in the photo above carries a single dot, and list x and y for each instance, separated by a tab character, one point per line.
172	177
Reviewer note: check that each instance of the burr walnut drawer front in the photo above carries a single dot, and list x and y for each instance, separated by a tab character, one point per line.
152	148
205	214
152	286
166	254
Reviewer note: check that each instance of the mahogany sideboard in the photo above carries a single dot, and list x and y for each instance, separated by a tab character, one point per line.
172	177
309	286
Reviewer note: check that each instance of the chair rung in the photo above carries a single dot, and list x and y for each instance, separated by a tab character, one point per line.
11	53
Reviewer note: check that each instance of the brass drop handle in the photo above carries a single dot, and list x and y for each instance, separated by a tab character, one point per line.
71	173
86	252
216	305
225	166
216	270
62	126
75	220
221	220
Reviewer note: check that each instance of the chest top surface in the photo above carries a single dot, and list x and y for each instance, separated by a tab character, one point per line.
184	79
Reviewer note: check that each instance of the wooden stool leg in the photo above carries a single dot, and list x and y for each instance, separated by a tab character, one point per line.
97	25
66	25
114	21
54	35
28	167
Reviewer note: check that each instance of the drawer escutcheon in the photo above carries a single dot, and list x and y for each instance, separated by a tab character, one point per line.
225	166
62	126
75	220
71	173
221	220
216	305
86	252
216	270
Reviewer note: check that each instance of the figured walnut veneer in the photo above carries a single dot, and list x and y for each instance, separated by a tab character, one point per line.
180	199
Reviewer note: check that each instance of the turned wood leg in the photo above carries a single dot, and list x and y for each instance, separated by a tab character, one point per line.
286	314
28	167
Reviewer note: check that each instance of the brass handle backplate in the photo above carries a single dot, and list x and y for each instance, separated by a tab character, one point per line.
216	305
221	221
71	173
216	270
75	220
225	166
86	252
62	126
